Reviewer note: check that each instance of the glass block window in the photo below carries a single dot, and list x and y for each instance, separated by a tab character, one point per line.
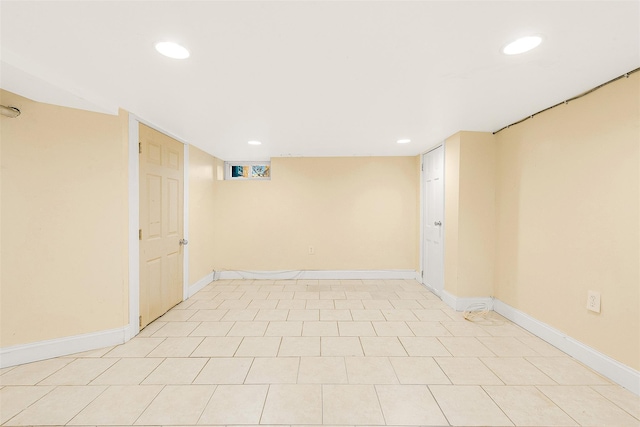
248	170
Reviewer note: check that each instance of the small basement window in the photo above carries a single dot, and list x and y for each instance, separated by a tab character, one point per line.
247	170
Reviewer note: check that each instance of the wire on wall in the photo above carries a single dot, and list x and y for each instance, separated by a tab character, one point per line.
624	76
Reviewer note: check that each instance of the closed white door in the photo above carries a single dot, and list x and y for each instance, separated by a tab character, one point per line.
433	262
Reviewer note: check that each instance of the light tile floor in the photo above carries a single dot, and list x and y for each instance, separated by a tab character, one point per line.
354	352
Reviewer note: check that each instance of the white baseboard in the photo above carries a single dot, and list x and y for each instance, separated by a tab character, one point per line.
320	275
461	304
200	284
41	350
621	374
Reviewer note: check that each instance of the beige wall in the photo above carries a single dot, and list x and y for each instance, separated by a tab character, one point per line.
64	222
568	218
470	222
359	213
202	211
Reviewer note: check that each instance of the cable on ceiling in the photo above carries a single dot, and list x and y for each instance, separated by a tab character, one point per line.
625	75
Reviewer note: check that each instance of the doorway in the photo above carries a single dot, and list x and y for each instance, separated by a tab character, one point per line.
433	217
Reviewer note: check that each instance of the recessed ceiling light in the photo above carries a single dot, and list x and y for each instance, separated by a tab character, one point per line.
522	45
403	141
254	143
172	50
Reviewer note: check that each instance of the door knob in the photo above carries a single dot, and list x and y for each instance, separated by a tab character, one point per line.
183	242
438	223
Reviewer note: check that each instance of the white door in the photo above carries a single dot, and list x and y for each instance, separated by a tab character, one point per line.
433	262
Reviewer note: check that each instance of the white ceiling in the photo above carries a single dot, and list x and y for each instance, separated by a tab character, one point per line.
315	78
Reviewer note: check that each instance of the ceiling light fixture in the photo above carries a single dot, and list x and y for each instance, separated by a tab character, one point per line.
254	143
522	45
172	50
11	112
403	141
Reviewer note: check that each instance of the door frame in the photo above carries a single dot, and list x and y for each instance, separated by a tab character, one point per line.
134	221
423	214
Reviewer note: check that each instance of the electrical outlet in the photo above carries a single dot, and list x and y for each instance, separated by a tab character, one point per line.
312	250
593	301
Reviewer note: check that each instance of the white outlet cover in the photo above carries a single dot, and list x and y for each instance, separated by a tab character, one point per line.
593	301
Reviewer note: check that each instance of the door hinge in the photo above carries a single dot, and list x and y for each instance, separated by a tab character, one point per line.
422	274
140	321
422	167
139	147
140	234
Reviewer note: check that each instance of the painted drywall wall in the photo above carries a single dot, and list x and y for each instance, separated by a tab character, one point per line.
63	222
568	218
470	220
357	213
202	206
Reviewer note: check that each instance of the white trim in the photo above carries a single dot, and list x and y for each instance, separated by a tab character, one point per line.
320	274
200	284
621	374
134	225
41	350
185	225
461	304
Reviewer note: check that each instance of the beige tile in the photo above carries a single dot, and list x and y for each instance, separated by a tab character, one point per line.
465	347
322	370
351	405
177	315
255	296
128	371
14	399
176	371
239	315
428	329
372	304
248	329
212	329
394	315
433	304
507	347
304	315
430	315
33	373
370	370
92	353
423	346
503	328
299	346
235	404
367	315
284	329
293	404
468	406
273	370
418	370
263	304
409	405
541	347
412	294
185	304
320	329
230	295
382	346
151	329
465	329
567	371
406	304
356	329
118	405
176	405
333	295
272	314
58	407
329	315
319	304
587	406
259	347
467	370
306	295
208	315
176	329
357	295
176	347
224	370
348	304
217	347
280	295
206	305
137	347
621	397
294	304
341	346
392	329
79	372
527	406
517	371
